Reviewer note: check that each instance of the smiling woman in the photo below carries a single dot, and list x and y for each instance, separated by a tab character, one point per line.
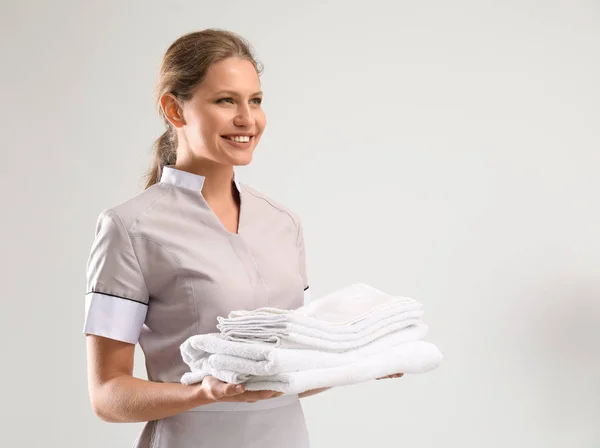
224	108
192	246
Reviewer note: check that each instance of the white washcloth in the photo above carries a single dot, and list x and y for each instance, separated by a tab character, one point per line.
211	350
306	341
409	357
352	332
343	307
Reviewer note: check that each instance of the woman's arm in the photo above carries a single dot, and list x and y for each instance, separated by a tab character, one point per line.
308	393
116	396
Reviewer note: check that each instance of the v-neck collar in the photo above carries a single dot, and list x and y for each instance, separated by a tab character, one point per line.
185	179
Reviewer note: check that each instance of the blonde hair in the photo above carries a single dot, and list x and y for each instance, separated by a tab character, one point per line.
183	68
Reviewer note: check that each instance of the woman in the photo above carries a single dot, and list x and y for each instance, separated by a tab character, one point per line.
194	245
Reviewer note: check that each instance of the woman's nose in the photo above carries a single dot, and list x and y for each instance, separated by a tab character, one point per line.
243	116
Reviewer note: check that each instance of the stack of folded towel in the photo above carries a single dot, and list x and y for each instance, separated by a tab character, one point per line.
353	335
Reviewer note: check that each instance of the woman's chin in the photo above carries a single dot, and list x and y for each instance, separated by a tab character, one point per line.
242	158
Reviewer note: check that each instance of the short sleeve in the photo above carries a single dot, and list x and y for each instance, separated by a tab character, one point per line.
302	263
116	302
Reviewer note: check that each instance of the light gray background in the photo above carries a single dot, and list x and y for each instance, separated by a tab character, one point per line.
444	150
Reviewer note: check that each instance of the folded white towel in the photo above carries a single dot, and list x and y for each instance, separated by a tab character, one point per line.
343	307
352	332
211	350
306	341
292	321
409	357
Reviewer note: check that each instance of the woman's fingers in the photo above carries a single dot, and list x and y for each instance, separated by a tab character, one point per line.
395	375
218	390
234	389
254	396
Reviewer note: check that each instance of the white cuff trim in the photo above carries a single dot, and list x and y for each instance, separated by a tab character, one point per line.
114	317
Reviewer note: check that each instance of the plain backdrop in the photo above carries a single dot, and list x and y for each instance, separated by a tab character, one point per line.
448	151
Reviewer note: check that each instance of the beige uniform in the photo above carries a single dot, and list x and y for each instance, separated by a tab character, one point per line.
163	267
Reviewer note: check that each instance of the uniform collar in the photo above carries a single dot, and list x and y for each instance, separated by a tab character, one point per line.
185	179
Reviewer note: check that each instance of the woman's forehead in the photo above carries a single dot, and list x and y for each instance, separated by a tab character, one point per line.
233	75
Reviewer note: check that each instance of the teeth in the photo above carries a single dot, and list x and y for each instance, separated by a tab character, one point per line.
241	138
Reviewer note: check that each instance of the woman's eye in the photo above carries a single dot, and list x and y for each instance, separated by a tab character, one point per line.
256	100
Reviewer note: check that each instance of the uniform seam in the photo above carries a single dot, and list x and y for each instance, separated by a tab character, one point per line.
298	226
129	231
242	262
295	220
190	283
273	205
133	250
145	210
116	296
262	279
155	434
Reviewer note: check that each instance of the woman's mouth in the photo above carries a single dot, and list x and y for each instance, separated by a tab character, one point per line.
239	141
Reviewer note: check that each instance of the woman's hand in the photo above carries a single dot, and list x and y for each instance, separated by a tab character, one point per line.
395	375
310	392
216	390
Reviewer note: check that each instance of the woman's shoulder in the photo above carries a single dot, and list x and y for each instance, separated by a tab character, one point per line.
130	210
265	203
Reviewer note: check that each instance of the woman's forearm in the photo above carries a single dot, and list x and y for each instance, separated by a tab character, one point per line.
308	393
125	399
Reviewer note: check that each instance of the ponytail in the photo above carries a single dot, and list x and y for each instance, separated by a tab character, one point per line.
163	153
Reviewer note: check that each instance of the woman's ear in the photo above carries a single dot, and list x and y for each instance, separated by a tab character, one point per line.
172	109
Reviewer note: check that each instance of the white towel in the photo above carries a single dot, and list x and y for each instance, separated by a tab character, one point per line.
252	359
410	357
343	307
292	321
305	341
352	332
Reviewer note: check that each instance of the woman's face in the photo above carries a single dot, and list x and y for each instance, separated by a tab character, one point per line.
225	106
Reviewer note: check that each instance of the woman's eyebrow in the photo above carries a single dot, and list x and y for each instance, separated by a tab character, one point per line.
231	92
